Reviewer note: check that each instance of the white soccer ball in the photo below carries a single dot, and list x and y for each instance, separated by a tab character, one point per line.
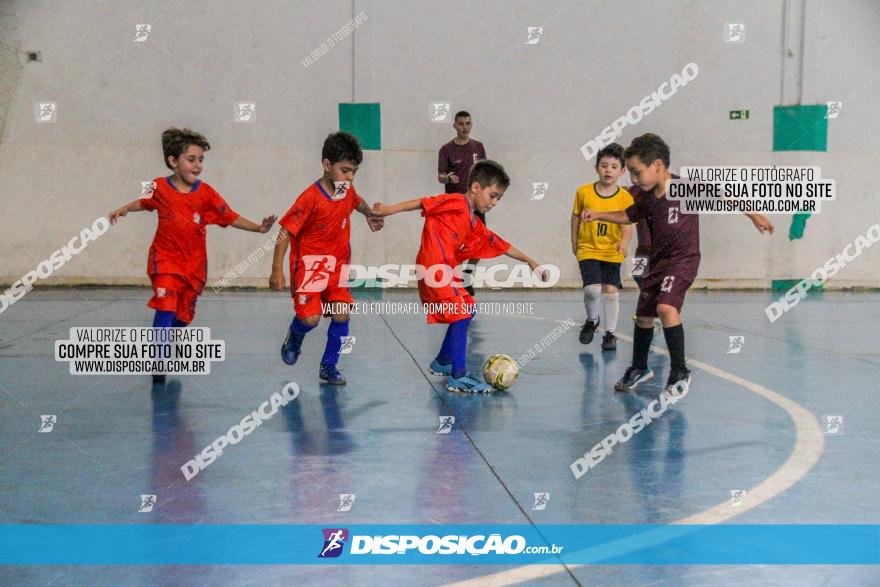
500	371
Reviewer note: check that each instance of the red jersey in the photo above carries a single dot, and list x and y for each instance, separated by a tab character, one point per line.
451	236
179	245
320	225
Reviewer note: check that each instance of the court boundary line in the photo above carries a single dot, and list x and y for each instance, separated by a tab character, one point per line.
808	448
440	396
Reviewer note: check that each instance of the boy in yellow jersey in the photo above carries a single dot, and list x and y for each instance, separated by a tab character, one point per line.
600	247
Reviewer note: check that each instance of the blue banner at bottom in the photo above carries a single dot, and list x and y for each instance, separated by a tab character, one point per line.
431	544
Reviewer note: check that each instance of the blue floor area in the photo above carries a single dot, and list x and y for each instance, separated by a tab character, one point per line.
118	437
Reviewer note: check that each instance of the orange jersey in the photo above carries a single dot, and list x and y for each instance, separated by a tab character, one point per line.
451	236
320	225
179	245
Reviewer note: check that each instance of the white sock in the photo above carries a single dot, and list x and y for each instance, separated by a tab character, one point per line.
591	301
610	309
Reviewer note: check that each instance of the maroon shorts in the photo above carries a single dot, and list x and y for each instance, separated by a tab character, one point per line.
669	290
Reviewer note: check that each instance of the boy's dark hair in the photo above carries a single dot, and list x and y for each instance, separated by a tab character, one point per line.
461	114
648	148
176	140
613	150
342	146
487	172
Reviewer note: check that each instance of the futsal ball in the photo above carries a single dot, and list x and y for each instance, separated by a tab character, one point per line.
500	371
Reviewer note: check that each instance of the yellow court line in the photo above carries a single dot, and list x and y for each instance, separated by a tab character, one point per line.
808	448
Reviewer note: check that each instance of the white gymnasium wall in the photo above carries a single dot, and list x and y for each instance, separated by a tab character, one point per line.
533	107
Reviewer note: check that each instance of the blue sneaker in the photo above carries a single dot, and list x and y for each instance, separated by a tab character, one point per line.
291	348
468	384
331	375
436	368
633	377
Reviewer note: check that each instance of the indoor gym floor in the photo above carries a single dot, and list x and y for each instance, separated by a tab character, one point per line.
753	420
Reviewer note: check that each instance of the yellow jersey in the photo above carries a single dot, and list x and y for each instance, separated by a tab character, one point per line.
597	239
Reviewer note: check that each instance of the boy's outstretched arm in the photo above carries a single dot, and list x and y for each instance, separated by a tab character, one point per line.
616	217
276	279
247	224
374	222
115	215
381	210
515	253
761	222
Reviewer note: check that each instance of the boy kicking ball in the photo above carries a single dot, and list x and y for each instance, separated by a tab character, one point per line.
452	234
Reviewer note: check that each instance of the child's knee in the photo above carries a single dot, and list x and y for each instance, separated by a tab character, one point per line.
340	314
645	321
311	320
667	313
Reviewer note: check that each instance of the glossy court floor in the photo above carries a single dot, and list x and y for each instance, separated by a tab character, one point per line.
753	420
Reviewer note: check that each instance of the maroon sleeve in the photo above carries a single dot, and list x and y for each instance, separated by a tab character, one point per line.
636	212
482	152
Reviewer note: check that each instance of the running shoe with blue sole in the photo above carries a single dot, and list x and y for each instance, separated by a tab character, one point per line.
467	384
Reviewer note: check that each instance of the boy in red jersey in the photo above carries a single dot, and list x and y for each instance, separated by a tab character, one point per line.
178	261
451	235
317	226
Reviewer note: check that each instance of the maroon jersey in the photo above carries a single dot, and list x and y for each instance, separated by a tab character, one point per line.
459	159
675	238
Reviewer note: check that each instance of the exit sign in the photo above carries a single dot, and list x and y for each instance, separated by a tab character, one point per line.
739	114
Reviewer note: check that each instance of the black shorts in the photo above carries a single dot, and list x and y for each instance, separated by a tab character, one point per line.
605	272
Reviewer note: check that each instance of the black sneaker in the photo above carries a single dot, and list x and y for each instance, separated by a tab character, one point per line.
679	381
609	342
633	377
588	330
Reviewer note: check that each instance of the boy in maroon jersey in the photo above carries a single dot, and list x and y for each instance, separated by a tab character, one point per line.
673	263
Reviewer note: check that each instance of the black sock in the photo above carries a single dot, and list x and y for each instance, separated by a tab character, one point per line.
641	345
675	343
